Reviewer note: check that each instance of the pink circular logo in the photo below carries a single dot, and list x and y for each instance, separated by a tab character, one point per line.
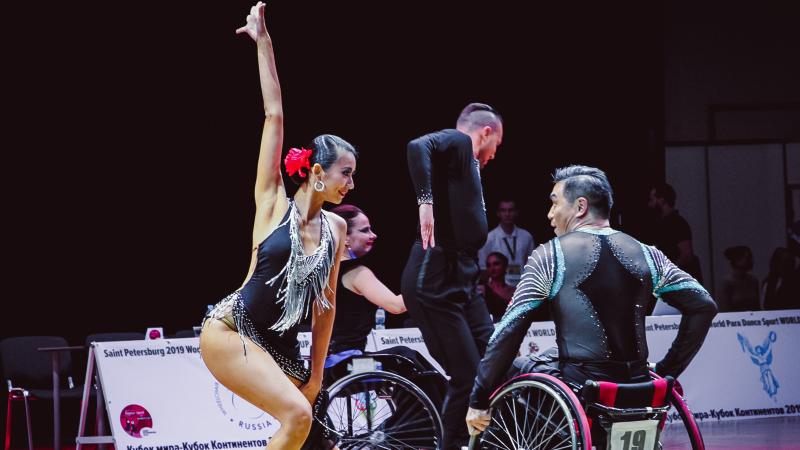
134	418
155	334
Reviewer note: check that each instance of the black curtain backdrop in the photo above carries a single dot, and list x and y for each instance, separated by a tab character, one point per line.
132	150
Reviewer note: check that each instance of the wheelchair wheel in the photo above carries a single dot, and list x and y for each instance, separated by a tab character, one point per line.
677	402
687	418
382	410
535	411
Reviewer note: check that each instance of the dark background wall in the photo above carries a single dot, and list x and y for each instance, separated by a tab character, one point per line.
740	54
136	130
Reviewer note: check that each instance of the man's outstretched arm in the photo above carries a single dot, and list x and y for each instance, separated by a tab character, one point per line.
535	286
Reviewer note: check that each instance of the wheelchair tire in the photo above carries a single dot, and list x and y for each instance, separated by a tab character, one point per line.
695	437
677	402
382	410
535	411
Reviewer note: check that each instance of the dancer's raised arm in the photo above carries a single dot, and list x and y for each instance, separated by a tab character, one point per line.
269	183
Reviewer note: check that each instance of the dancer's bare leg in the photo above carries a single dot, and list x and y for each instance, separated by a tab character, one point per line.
257	379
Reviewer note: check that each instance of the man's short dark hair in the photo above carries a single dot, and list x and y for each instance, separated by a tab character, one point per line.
665	191
590	183
478	115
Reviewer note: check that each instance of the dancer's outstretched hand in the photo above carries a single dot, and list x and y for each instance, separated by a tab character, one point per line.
255	23
426	225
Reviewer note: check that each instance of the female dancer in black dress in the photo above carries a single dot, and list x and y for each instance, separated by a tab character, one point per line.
249	340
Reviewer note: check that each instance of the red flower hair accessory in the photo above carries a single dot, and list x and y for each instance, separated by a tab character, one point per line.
296	159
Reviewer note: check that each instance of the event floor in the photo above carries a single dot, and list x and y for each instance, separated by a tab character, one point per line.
751	434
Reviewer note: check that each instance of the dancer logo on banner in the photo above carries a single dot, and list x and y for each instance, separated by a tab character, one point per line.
761	356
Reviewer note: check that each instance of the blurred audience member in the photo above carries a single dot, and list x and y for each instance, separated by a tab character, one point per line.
510	240
781	286
493	285
739	290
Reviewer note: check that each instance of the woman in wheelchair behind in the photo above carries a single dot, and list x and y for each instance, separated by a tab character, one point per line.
362	294
402	405
599	283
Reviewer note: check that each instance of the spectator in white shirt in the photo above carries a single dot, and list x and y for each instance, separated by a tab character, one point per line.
510	240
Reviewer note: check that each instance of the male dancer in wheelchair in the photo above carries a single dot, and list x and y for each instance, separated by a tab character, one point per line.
599	283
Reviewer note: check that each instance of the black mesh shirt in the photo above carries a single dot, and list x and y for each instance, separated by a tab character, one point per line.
599	283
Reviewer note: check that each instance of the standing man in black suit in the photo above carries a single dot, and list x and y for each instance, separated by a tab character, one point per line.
439	280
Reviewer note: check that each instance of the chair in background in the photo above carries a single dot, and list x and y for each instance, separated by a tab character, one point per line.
113	337
30	375
184	334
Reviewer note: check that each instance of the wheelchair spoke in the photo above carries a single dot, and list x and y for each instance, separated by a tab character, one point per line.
404	427
535	415
513	407
403	444
550	422
498	440
534	428
386	441
525	426
565	446
505	426
522	440
542	427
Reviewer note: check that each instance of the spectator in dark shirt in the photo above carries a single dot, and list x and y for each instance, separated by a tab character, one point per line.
672	233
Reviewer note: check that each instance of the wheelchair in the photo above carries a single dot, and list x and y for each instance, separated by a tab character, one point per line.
539	411
385	400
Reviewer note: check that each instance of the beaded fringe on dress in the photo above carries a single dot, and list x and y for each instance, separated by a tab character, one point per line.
306	277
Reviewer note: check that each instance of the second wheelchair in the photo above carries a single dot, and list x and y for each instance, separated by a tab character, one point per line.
385	400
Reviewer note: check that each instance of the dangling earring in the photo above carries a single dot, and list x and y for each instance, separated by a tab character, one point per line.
319	186
350	252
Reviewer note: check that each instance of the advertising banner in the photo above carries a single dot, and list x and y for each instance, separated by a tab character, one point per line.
160	395
748	366
408	337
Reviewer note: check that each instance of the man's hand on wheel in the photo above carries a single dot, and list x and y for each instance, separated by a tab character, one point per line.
478	420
